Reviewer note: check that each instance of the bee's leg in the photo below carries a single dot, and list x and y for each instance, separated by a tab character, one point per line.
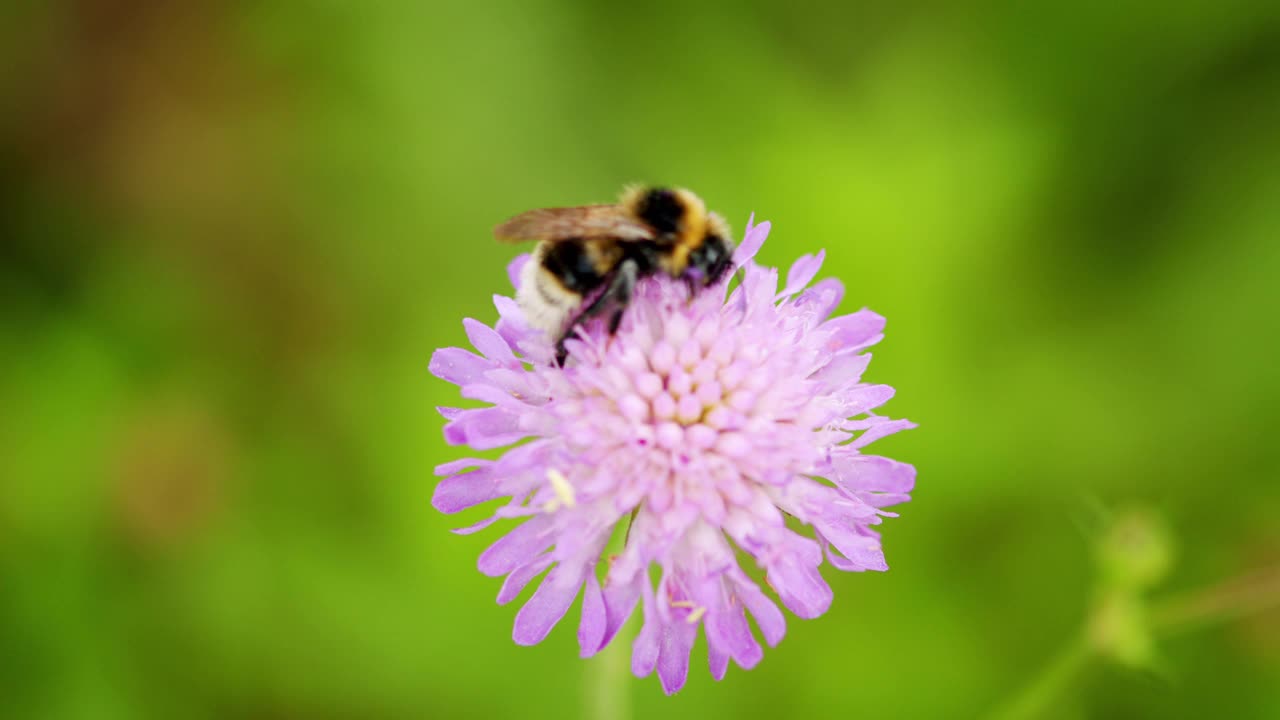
692	286
615	320
615	297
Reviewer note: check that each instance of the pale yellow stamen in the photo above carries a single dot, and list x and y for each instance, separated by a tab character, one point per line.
563	490
695	614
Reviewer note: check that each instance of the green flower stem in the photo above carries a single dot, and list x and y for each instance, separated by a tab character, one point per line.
608	682
1050	684
1251	593
1232	599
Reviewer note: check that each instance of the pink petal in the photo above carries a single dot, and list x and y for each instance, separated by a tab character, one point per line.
508	309
476	527
843	370
794	576
858	552
673	655
768	617
591	629
527	386
731	631
759	285
879	430
752	241
484	428
619	601
863	553
515	267
518	547
855	330
867	398
458	366
459	492
822	298
717	659
884	500
453	467
872	473
489	343
549	603
484	392
511	324
646	647
802	271
520	577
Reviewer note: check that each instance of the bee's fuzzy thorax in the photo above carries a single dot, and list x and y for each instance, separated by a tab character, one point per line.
692	230
718	227
679	215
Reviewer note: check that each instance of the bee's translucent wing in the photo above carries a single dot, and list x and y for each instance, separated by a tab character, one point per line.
587	221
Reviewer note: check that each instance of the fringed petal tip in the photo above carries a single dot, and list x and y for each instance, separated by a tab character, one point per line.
752	240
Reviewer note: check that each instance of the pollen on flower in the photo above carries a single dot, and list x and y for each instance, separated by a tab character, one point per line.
564	496
706	420
696	611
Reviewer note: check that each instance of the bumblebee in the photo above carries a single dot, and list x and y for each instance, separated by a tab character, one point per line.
589	258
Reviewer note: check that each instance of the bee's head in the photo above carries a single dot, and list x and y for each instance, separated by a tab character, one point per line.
694	242
711	258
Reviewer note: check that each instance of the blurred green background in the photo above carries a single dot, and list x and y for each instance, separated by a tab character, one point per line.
232	233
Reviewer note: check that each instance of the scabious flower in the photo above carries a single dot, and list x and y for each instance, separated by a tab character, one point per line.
703	423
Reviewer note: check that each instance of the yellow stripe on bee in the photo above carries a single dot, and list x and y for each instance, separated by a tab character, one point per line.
695	228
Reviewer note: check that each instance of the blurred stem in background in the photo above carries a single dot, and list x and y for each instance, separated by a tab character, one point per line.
1134	555
1249	593
1056	677
608	679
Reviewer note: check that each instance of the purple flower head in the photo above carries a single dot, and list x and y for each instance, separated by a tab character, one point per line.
703	422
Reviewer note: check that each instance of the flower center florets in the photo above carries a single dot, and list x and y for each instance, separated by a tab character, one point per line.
686	403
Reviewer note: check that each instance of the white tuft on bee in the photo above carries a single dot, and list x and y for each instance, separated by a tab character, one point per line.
547	305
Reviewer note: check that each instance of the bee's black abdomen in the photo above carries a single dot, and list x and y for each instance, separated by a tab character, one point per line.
662	210
569	263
